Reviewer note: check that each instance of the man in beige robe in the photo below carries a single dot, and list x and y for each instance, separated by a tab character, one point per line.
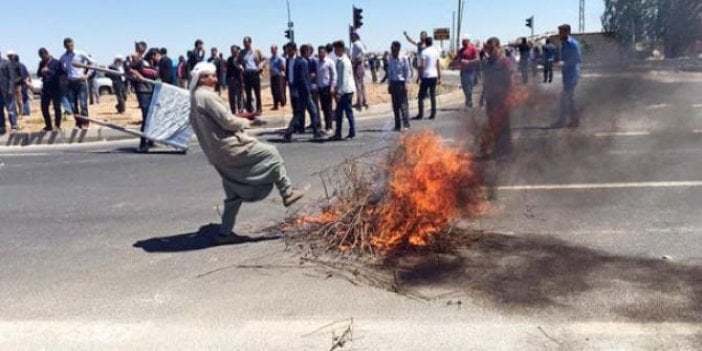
249	168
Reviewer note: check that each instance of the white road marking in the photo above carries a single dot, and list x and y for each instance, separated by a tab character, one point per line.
656	106
625	133
597	186
675	230
664	152
697	131
23	154
697	105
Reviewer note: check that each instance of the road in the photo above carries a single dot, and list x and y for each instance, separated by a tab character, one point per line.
595	244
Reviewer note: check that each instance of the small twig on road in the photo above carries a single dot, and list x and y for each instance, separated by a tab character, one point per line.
347	320
549	337
254	266
345	337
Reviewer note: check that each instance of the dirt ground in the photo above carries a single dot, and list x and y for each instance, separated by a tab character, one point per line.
105	110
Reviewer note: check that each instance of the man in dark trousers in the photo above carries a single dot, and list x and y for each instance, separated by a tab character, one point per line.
326	83
301	92
497	87
118	81
571	60
429	77
524	51
549	56
140	69
165	67
50	72
277	72
77	80
399	74
235	81
252	61
7	100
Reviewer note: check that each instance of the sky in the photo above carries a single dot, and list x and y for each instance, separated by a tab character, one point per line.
105	28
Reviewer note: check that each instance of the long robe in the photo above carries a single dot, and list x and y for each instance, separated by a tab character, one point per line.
248	167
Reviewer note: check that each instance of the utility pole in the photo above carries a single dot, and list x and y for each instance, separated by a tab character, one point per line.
581	24
290	33
459	21
453	30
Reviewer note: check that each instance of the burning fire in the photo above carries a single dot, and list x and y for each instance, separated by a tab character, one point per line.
409	201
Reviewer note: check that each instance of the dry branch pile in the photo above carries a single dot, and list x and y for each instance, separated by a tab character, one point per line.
408	198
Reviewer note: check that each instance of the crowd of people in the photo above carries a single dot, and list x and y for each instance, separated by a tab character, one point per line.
496	65
319	83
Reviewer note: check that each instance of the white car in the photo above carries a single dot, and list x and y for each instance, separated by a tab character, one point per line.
104	84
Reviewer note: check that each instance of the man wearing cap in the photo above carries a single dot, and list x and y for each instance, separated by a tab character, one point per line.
77	80
50	72
118	82
248	167
7	96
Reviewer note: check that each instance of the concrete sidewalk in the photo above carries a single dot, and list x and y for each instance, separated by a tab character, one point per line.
103	134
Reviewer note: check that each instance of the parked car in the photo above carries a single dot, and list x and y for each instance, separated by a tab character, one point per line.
104	84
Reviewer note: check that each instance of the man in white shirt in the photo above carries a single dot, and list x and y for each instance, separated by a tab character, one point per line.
344	91
358	52
429	77
326	82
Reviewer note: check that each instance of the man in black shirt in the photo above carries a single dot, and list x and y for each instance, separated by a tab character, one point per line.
215	60
196	56
165	67
235	85
524	51
50	71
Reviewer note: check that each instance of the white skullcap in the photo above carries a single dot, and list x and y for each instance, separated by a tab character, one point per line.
11	53
200	69
466	37
119	57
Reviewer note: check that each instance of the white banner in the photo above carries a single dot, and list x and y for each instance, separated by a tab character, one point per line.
168	121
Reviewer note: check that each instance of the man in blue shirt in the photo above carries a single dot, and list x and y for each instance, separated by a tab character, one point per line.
571	60
549	55
77	80
277	72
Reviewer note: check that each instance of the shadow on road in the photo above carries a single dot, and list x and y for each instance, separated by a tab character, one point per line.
201	240
532	273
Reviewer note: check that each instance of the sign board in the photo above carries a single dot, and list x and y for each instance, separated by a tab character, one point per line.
442	34
168	121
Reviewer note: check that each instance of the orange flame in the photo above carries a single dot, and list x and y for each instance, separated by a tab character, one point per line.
426	186
426	180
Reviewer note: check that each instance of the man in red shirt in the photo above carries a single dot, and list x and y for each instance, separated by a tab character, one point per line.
468	59
497	88
139	69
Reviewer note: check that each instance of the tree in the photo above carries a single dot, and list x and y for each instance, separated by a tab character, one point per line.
676	24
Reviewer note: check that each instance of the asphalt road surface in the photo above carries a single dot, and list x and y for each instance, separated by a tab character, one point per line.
594	244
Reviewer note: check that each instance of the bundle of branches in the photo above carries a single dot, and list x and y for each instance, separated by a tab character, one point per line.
407	199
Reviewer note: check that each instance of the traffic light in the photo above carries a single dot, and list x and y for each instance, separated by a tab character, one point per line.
357	17
290	34
530	22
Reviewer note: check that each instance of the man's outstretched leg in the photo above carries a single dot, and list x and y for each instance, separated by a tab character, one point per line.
231	209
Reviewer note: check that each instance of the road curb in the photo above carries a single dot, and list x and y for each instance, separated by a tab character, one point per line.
102	134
